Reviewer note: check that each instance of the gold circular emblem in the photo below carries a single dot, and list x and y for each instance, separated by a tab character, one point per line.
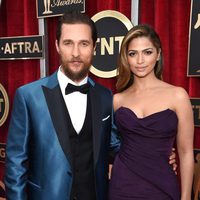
4	105
112	25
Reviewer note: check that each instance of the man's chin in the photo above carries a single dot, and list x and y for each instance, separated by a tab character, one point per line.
76	75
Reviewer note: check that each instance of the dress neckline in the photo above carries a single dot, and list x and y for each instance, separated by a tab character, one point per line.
150	115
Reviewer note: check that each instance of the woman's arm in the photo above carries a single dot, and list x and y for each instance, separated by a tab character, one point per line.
185	141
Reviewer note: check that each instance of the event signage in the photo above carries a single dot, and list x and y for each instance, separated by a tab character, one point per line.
50	8
112	26
196	110
2	152
4	105
2	160
22	47
193	68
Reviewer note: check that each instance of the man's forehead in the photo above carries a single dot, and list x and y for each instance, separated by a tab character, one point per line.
76	31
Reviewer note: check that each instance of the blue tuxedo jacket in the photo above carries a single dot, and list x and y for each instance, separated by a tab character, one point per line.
38	158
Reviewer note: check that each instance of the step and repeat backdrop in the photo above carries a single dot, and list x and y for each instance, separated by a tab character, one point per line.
111	26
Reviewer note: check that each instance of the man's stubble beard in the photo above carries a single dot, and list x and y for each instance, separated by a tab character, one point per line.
76	76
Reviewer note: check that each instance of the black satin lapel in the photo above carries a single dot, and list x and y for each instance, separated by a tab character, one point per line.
96	121
58	112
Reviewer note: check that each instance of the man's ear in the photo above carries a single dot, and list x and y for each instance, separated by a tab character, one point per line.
95	45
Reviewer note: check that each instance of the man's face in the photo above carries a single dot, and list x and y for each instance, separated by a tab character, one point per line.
76	50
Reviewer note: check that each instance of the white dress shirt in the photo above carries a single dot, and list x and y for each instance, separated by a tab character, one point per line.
76	102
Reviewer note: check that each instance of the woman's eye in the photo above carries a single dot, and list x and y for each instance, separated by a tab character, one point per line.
148	52
131	53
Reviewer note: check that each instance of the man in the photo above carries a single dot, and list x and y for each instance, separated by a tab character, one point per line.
58	139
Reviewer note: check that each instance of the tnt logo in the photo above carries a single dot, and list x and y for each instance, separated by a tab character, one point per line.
112	26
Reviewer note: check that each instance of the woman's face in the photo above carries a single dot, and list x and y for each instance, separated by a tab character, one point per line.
142	56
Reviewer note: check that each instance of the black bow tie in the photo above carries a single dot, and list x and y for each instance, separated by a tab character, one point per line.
73	88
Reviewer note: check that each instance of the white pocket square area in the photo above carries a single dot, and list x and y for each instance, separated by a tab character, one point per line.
106	118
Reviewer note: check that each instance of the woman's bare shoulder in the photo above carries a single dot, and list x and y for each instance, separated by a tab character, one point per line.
176	91
119	99
179	97
179	93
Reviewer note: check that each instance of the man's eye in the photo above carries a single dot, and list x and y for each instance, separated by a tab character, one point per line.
85	44
67	43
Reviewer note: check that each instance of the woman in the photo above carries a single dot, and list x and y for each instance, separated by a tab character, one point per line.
150	114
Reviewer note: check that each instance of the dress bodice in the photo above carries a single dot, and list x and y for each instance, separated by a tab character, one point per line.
152	134
146	144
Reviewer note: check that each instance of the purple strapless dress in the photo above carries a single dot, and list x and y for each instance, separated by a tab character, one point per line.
141	169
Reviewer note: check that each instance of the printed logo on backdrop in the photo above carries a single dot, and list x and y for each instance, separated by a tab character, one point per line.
193	68
21	47
112	26
49	8
4	105
2	152
196	110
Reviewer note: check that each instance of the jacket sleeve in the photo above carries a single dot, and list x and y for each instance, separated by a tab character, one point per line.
114	141
17	150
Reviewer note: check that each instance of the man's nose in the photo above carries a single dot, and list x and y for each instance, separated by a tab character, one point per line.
75	51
